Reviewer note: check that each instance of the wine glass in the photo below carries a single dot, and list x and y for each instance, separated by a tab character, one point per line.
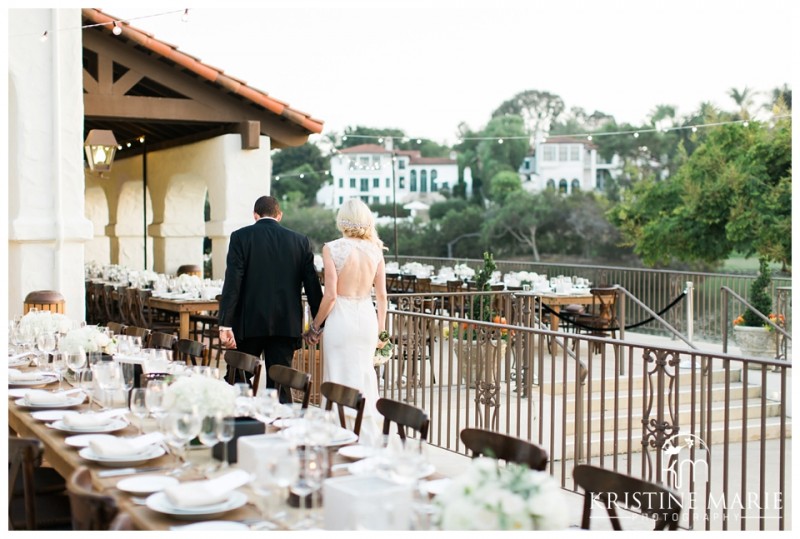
76	361
58	367
278	470
312	471
46	343
108	375
87	384
265	405
128	374
138	406
181	426
208	435
154	398
225	430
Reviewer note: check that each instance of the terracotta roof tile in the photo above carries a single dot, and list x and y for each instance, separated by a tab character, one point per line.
365	148
215	75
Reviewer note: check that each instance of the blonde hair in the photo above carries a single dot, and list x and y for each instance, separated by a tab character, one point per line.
355	220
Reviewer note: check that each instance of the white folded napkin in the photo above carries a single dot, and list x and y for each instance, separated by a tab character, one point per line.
15	375
45	397
212	491
120	447
83	421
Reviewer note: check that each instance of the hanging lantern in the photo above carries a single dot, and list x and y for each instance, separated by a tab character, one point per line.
101	146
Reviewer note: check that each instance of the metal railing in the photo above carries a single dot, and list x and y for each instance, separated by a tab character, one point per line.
655	288
781	336
713	426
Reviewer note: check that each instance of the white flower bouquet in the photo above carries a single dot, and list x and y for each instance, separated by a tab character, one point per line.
209	396
40	322
463	271
383	354
88	338
493	497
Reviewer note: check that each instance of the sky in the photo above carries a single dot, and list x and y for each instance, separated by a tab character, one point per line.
427	66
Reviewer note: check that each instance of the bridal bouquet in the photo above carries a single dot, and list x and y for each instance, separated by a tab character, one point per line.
88	338
209	396
383	354
493	497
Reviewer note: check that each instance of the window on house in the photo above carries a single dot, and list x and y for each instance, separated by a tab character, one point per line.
363	162
376	182
551	184
401	164
341	183
364	184
576	185
562	186
548	152
413	185
526	164
562	152
434	175
402	183
575	152
423	181
341	201
352	183
388	182
365	200
376	200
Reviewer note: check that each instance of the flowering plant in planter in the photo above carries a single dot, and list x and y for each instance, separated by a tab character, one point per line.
761	301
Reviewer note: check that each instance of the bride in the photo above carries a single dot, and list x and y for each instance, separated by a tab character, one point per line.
353	265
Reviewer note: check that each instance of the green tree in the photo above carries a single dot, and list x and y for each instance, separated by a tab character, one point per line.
759	297
521	218
497	152
538	109
439	209
302	181
744	100
504	184
317	223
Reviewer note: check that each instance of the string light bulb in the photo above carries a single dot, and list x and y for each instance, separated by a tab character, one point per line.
499	141
185	16
694	129
636	135
380	140
589	137
419	141
43	37
117	30
745	123
141	139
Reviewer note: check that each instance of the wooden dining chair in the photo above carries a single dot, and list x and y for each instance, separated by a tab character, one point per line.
601	320
393	283
91	510
286	380
191	352
610	488
504	447
37	496
404	416
239	365
117	327
136	331
162	341
344	397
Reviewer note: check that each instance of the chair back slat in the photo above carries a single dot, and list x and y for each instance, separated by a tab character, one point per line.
191	352
287	379
162	341
238	364
344	397
404	416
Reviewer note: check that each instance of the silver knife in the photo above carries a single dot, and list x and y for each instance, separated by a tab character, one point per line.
130	471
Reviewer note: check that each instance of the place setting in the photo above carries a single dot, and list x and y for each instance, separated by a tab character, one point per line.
201	500
49	400
92	422
22	379
119	452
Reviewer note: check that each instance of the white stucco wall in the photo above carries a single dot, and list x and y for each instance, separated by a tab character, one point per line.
47	227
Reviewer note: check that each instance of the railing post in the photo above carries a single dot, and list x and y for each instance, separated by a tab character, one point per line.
690	310
724	321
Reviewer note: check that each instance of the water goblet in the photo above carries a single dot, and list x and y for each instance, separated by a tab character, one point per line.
108	375
312	471
128	375
182	426
265	405
278	470
225	431
208	435
46	344
138	407
135	345
154	398
58	365
76	361
87	382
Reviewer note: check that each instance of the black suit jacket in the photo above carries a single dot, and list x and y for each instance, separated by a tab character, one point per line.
268	266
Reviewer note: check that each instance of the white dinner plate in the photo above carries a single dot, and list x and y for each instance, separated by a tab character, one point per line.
51	415
113	424
368	466
151	452
357	451
41	381
68	403
82	440
146	484
342	436
159	503
288	422
19	362
17	393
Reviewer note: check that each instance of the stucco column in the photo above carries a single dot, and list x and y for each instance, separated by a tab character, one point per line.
46	223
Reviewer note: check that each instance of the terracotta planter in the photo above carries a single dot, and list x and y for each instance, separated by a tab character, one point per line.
755	341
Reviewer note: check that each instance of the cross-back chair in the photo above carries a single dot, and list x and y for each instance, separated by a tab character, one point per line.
191	352
239	365
405	416
287	379
37	497
504	447
344	397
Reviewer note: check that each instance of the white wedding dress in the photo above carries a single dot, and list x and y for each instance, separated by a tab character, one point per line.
351	332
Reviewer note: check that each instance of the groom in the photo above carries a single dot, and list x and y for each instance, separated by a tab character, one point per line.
268	266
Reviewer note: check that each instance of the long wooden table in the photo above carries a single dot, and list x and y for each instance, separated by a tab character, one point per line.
65	460
555	302
185	308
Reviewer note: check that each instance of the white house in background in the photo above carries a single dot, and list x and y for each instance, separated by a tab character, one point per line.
567	164
369	172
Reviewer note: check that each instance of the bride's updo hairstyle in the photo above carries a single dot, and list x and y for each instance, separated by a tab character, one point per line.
355	220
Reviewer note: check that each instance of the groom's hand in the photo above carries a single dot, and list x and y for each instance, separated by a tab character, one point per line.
226	338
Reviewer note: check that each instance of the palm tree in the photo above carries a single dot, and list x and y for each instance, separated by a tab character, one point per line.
781	93
744	100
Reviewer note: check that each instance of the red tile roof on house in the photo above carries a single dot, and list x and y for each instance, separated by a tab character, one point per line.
365	148
414	155
558	139
206	71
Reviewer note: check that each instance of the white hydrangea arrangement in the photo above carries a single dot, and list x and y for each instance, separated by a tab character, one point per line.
209	396
88	338
463	271
40	322
489	496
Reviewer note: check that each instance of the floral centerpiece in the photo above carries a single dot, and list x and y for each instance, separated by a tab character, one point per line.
489	496
41	322
463	271
88	338
209	396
